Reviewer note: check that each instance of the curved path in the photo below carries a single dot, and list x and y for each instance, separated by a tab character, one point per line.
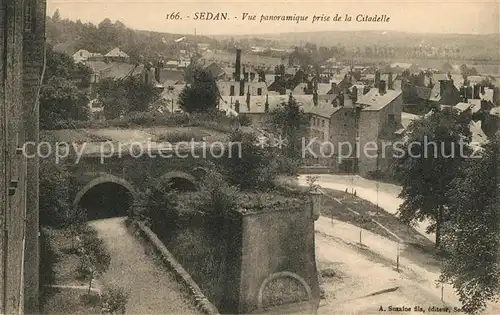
374	265
386	195
152	289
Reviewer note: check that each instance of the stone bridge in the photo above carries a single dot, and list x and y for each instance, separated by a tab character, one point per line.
120	176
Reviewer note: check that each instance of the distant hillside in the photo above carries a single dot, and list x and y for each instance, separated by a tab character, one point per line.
70	36
471	46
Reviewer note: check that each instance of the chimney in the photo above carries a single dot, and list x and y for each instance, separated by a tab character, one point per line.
463	94
389	81
237	106
248	98
377	78
354	94
347	100
468	93
242	88
381	88
477	89
159	66
238	64
266	105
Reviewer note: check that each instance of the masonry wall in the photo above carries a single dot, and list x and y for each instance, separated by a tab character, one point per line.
12	209
34	53
272	242
230	258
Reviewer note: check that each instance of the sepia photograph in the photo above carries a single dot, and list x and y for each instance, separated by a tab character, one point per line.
215	157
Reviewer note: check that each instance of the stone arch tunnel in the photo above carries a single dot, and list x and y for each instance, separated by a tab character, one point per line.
107	196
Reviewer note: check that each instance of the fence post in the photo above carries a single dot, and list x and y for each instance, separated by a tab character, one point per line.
442	292
397	257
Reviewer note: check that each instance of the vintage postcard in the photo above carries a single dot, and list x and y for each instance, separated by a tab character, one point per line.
249	157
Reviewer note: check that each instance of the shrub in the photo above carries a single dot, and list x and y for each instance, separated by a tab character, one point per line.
214	198
258	164
180	136
94	257
244	120
48	257
54	193
114	301
158	204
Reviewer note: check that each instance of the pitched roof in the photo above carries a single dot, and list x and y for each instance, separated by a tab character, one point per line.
464	106
116	52
299	89
98	66
215	70
440	77
376	101
495	111
407	119
121	70
257	104
475	79
324	88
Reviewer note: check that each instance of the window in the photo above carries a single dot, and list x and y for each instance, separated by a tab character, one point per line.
231	90
259	91
322	123
28	16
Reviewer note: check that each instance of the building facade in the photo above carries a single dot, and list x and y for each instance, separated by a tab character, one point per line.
22	55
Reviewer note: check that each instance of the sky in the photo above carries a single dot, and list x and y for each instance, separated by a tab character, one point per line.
416	16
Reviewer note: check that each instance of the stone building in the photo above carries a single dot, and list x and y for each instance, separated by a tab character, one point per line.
22	55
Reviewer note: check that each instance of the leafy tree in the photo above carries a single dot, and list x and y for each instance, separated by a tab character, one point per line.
119	97
63	95
159	203
114	301
200	96
75	222
290	123
247	157
54	193
434	152
62	100
112	97
473	238
466	71
216	197
56	17
139	94
447	67
95	258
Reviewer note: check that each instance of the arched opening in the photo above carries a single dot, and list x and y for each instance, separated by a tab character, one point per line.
106	200
180	181
106	196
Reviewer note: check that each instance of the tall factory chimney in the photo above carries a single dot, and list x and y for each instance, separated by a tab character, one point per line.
238	65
